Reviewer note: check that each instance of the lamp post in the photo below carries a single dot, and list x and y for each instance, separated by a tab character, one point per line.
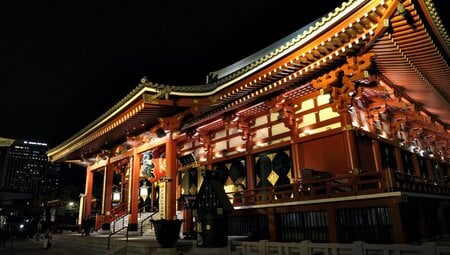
143	192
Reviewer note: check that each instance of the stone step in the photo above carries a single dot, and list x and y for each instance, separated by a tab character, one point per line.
94	244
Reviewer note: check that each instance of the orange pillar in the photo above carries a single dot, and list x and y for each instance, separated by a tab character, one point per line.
399	160
88	192
134	192
250	173
377	155
171	173
397	226
350	143
416	165
108	195
295	161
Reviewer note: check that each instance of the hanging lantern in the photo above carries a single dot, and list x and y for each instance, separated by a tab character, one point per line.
143	191
116	196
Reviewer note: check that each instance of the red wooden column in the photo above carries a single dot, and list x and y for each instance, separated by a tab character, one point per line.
398	160
250	173
397	226
171	173
88	192
295	161
416	165
332	224
171	126
108	195
350	142
377	156
134	192
429	169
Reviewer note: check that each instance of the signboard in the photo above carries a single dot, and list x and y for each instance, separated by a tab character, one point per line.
162	200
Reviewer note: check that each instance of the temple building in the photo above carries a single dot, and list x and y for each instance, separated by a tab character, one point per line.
335	133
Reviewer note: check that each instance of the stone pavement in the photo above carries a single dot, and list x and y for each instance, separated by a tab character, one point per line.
28	247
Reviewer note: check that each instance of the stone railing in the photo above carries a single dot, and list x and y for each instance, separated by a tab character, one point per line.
265	247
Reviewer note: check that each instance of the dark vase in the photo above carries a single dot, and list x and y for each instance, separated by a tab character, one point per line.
167	232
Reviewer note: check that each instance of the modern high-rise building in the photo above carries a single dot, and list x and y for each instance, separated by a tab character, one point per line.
23	165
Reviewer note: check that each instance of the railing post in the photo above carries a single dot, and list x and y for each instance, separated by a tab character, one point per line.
428	248
358	248
390	179
304	247
262	247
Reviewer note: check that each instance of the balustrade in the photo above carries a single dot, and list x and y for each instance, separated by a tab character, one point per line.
345	185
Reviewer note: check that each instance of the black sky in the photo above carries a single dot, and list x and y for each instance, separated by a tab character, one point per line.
64	63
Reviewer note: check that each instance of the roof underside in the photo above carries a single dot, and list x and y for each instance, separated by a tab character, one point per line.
409	56
410	59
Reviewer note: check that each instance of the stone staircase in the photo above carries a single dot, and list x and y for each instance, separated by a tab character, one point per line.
147	228
89	245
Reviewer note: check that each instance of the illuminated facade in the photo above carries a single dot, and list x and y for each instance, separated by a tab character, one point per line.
338	132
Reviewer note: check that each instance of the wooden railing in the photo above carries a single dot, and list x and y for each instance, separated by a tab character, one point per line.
405	182
347	185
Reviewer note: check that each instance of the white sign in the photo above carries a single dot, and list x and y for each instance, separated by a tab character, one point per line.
162	200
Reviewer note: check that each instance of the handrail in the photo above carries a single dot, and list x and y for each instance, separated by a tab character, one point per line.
116	213
113	233
117	219
146	218
141	210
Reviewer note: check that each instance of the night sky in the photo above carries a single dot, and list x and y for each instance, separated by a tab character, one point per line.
64	63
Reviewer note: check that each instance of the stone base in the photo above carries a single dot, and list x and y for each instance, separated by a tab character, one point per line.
210	251
167	251
134	233
104	232
132	227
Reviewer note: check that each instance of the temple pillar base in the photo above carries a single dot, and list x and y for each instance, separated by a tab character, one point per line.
106	226
132	227
167	251
211	251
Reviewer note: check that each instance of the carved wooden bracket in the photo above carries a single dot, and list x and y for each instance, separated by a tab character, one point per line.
346	83
205	139
286	111
171	123
244	126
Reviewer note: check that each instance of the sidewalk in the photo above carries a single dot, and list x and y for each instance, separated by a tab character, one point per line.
25	247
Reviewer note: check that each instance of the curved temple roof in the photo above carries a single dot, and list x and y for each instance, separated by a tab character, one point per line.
412	56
